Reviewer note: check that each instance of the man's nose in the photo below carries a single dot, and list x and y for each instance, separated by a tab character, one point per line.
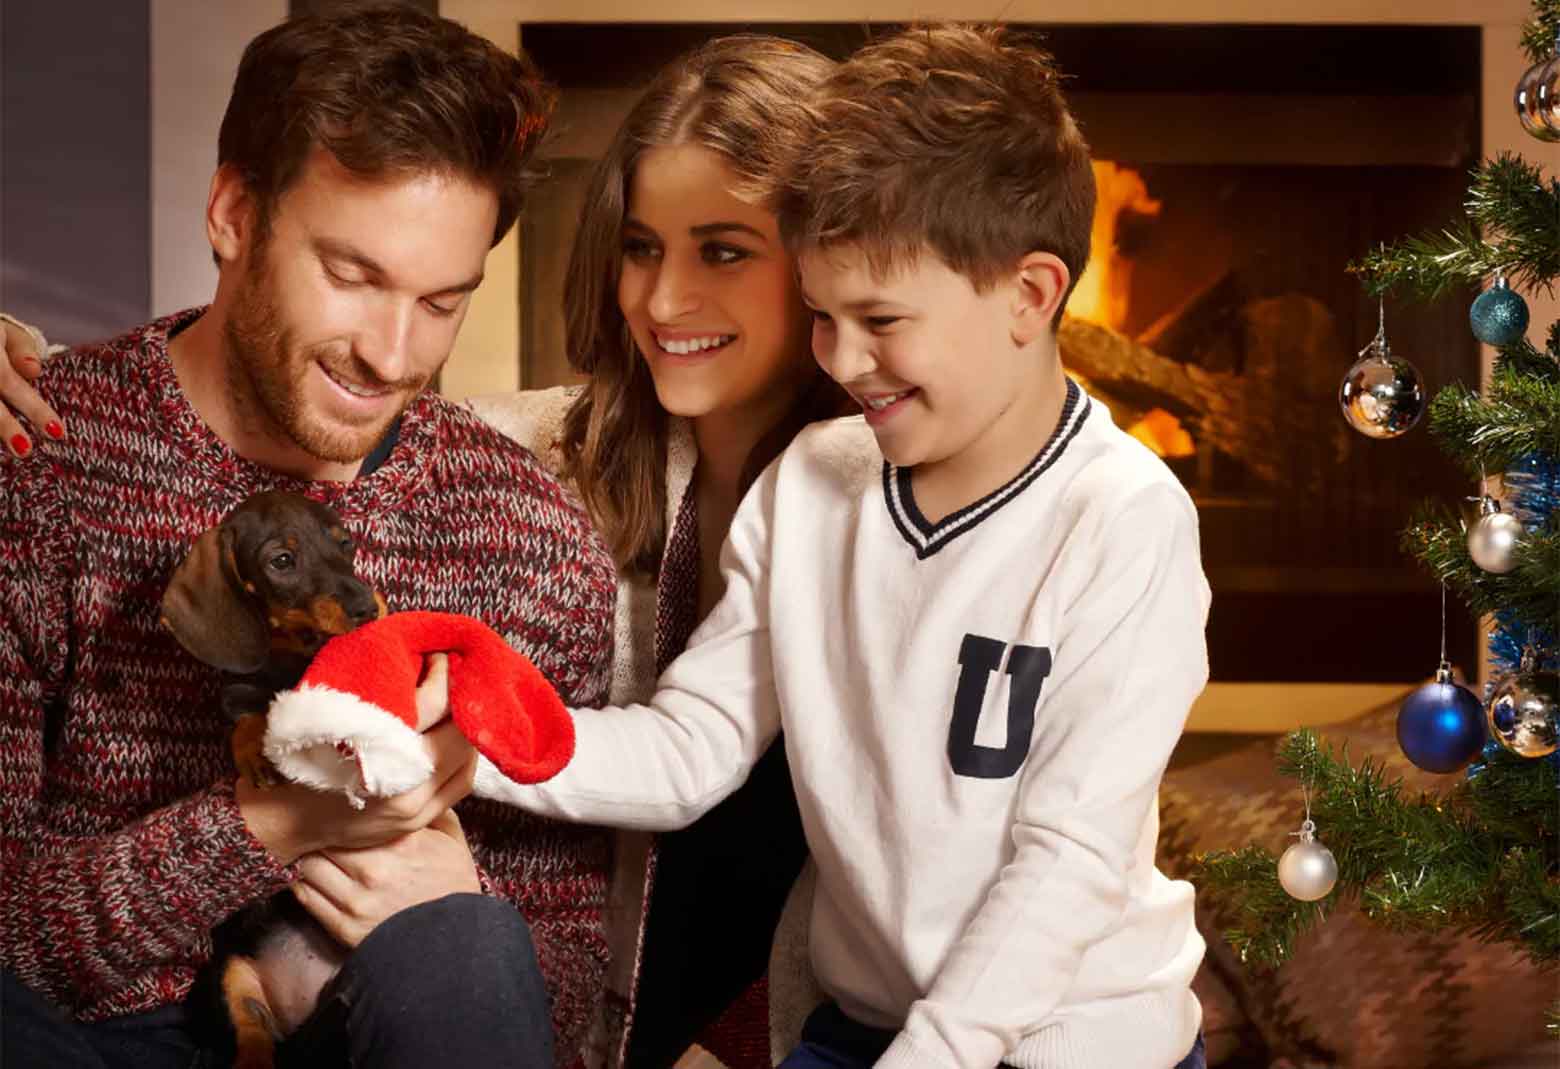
385	343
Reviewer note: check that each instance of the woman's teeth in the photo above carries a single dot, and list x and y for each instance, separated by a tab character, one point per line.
877	404
695	345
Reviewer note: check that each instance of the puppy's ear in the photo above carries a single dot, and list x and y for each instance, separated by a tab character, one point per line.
206	611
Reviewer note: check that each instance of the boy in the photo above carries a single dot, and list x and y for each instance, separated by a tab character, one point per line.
981	635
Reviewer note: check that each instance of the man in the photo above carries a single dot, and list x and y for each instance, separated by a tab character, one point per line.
367	161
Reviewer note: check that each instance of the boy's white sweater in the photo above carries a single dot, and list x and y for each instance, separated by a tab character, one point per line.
985	854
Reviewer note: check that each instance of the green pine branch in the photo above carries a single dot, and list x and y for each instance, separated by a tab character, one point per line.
1518	415
1512	229
1521	360
1538	35
1530	591
1483	859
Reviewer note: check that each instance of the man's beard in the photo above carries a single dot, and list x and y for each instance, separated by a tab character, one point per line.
266	376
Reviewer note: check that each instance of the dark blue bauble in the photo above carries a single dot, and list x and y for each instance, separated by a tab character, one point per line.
1441	727
1499	316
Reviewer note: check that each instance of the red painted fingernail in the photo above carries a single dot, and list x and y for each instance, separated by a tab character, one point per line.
20	445
53	429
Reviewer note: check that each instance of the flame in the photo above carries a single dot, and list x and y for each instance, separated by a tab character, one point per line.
1101	294
1163	433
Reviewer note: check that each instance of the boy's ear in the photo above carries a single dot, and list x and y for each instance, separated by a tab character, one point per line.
1040	284
229	214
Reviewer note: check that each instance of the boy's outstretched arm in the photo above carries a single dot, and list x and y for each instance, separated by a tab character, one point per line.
664	764
1130	661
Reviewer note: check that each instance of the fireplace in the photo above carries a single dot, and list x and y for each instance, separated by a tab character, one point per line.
1240	168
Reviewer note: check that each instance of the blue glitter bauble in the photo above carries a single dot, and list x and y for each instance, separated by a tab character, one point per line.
1499	316
1441	727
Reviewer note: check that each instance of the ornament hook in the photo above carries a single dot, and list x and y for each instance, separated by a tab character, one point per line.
1307	832
1379	345
1443	674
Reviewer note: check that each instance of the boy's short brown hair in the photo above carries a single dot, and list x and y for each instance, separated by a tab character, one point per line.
389	90
950	137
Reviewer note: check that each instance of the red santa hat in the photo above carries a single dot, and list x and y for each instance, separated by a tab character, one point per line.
351	723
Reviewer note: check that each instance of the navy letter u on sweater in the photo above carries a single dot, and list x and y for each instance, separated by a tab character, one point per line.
978	658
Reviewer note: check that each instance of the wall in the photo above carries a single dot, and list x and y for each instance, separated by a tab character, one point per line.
74	121
195	49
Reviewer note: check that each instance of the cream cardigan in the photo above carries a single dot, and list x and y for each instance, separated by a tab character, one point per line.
534	418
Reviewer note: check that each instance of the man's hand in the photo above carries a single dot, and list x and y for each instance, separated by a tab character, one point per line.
20	364
351	891
292	821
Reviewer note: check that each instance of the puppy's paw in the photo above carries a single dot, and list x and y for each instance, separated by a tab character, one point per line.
249	752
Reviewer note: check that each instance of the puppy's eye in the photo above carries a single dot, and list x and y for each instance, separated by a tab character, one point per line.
283	562
346	545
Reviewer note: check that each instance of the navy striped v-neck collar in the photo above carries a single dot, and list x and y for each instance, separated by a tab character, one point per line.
926	537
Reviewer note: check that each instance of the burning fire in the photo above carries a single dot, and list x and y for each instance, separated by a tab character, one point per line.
1103	293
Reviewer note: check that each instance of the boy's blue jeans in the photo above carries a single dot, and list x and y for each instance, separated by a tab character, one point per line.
830	1040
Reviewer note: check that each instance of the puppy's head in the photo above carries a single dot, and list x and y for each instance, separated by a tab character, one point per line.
275	576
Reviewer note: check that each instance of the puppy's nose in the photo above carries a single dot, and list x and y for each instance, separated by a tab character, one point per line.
361	605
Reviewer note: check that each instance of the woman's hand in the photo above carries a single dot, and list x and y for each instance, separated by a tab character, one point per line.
20	364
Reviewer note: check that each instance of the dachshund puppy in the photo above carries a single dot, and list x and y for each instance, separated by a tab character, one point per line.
257	597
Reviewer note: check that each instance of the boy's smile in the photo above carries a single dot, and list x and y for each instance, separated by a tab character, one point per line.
956	383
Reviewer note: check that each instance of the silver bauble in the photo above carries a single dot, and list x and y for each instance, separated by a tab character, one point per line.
1494	537
1538	99
1382	396
1524	712
1307	870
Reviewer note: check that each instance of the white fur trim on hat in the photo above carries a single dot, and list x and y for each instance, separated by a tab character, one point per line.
332	740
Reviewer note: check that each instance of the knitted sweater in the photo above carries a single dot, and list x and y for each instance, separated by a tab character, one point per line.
122	843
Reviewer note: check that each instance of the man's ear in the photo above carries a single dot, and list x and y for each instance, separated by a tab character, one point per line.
1040	284
230	214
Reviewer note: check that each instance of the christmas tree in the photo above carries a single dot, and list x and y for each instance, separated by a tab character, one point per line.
1482	856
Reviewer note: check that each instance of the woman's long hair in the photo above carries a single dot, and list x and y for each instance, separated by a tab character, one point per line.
740	97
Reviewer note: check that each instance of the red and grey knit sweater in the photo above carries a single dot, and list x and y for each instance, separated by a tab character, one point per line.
122	844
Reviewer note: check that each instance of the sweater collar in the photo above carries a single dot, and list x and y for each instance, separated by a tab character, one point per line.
926	538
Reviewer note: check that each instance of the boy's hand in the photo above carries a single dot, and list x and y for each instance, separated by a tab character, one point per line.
20	364
351	891
433	693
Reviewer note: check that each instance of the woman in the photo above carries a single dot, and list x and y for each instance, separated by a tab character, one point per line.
682	308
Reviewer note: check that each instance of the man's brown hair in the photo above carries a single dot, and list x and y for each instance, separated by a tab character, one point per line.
389	91
954	138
